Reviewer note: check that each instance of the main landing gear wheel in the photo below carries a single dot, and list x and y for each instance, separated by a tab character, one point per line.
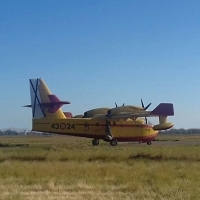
148	143
95	142
113	142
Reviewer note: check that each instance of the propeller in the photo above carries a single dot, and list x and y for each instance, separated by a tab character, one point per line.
145	108
117	105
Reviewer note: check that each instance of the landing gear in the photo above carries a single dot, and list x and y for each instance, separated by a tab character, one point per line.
113	142
148	143
109	136
108	131
95	142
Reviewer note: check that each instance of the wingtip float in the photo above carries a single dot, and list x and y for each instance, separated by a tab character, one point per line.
119	124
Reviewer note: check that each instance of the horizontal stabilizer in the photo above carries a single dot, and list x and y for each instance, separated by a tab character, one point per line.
163	109
54	104
28	106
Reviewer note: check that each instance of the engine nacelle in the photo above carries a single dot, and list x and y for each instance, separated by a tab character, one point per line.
124	109
78	116
96	112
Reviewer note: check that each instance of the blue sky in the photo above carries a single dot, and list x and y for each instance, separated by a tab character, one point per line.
97	52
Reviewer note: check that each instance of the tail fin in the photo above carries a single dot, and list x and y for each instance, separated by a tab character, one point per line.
163	109
43	102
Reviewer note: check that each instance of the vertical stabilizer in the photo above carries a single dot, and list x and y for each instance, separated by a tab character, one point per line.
41	101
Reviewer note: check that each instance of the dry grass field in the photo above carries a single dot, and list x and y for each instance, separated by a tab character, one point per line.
61	167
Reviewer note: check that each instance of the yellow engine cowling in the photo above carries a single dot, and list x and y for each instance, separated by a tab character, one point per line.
95	112
124	109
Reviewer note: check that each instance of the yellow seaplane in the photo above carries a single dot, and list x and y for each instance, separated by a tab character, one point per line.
119	124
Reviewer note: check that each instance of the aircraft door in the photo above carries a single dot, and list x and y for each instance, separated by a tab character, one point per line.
86	127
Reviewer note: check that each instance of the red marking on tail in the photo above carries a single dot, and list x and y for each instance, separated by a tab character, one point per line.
54	104
68	114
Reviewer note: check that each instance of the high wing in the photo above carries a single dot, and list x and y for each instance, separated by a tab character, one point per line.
133	112
163	109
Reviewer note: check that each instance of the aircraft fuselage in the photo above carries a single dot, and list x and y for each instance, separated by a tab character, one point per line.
122	131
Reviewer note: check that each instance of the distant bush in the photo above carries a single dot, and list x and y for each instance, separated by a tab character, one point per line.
181	131
10	132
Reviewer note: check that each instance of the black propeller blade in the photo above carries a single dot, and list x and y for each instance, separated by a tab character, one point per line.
117	105
142	103
145	108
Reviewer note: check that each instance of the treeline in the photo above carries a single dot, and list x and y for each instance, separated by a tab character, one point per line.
11	132
21	133
181	131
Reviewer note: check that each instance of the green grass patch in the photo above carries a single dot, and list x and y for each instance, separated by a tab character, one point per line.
61	167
